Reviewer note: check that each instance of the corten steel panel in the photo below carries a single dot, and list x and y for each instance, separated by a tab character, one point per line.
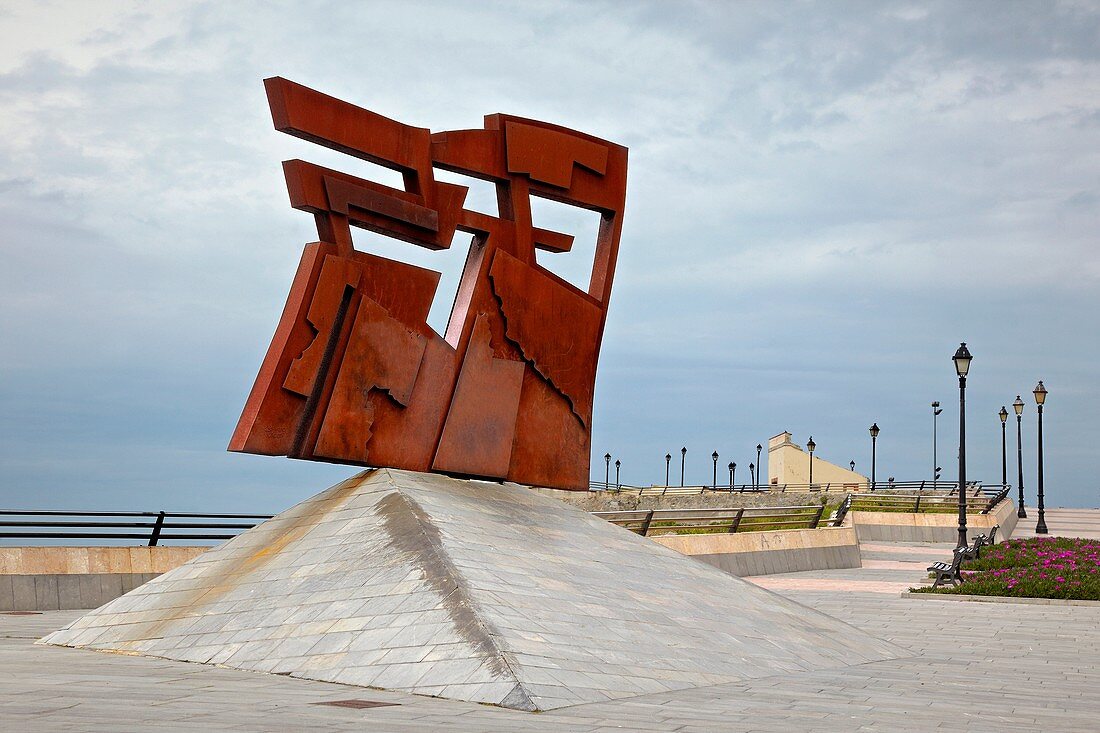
355	375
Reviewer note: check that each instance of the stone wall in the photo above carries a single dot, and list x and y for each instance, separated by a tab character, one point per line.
764	553
928	527
52	578
612	501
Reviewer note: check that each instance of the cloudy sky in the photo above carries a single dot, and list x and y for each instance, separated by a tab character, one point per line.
824	200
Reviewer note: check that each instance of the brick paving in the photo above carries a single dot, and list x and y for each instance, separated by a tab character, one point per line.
974	667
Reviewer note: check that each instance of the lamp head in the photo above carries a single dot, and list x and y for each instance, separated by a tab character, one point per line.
874	430
1003	414
962	359
1040	393
811	444
1018	405
714	455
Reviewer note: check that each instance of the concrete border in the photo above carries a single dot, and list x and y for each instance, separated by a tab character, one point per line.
766	553
998	599
931	527
61	591
64	577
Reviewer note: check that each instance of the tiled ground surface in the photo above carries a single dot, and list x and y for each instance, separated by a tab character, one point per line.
976	667
468	590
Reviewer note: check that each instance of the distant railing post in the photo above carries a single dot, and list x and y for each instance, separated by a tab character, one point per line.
645	524
916	506
157	526
737	520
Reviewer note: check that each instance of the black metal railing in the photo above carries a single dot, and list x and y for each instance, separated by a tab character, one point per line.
996	499
649	522
150	527
929	503
950	487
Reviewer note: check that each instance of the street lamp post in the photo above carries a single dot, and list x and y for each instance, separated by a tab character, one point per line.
759	468
618	464
683	460
606	471
962	361
1018	406
714	480
1040	393
752	475
936	410
731	467
668	460
1003	414
874	430
810	447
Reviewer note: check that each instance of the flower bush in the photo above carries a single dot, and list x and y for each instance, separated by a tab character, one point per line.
1039	567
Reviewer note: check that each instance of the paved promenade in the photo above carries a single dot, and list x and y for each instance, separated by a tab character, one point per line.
975	667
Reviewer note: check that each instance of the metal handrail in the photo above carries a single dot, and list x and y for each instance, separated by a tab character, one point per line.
160	528
726	521
913	502
949	487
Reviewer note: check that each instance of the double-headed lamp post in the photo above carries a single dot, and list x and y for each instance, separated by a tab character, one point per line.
1018	406
683	460
714	479
810	447
1003	414
874	430
1040	393
962	359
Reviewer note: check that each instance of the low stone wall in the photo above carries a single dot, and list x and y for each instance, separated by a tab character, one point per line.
928	527
764	553
52	578
612	501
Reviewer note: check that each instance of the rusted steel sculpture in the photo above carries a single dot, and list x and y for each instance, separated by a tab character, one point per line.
354	374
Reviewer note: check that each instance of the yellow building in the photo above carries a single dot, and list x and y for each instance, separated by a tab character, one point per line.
789	463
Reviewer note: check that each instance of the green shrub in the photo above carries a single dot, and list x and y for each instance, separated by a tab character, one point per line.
1039	567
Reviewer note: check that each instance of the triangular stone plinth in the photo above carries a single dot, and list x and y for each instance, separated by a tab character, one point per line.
469	590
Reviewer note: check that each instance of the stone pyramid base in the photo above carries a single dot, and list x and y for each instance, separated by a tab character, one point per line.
468	590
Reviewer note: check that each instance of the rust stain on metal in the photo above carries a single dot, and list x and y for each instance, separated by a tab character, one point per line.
355	375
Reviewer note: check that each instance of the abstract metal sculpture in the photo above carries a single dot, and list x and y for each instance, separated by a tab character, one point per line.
354	374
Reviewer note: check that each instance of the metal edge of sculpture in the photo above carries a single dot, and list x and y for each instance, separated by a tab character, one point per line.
354	373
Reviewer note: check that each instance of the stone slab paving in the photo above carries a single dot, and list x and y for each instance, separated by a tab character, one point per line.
1065	522
469	590
976	667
